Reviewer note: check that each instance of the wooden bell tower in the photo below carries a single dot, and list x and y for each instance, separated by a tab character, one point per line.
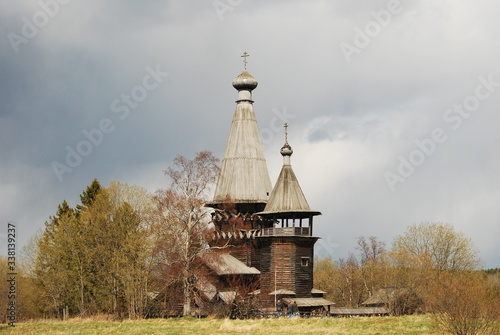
287	248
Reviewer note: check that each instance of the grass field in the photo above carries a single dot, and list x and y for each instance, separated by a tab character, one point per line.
420	324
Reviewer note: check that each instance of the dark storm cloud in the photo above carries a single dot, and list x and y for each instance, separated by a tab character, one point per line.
352	117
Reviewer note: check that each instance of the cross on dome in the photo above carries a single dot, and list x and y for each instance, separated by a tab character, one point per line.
245	55
286	150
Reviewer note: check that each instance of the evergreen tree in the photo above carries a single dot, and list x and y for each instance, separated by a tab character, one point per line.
96	258
54	269
88	196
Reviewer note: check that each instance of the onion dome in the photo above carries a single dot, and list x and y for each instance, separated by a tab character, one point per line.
286	150
245	81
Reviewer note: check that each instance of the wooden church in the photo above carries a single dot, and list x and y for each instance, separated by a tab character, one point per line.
262	234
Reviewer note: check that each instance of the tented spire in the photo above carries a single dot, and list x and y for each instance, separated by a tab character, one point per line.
287	196
243	176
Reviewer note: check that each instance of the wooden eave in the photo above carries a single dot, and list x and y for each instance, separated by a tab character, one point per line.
287	198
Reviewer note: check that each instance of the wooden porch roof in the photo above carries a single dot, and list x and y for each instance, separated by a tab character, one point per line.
345	311
225	264
309	302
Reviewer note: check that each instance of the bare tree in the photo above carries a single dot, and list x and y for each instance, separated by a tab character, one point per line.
350	284
370	249
183	225
245	304
372	267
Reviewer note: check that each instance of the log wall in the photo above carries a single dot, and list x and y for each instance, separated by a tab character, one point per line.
282	266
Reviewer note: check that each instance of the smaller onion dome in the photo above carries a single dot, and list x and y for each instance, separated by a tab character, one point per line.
286	150
245	81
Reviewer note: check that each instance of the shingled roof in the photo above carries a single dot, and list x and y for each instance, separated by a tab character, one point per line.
243	177
225	264
309	302
385	294
287	196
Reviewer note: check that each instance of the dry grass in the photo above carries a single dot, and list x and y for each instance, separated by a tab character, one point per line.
353	326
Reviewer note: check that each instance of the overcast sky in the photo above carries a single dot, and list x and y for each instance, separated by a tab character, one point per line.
393	107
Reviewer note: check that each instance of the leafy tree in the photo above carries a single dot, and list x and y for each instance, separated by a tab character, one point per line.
117	246
464	304
441	244
130	261
96	259
98	227
140	200
325	271
55	267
